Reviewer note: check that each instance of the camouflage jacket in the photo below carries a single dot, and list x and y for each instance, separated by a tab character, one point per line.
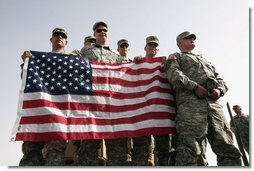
186	70
100	54
241	123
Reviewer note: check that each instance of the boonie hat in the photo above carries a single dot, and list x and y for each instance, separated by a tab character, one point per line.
122	41
90	38
153	39
100	23
59	30
184	35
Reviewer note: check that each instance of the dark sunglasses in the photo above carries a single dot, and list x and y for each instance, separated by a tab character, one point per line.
101	30
124	46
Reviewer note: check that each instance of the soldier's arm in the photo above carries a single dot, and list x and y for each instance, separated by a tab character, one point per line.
175	76
76	53
222	87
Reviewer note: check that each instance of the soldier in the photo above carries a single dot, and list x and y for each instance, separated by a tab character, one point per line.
143	147
116	148
55	155
241	125
89	41
199	114
123	49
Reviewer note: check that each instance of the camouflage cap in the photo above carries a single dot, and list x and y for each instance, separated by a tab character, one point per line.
153	39
59	30
90	38
122	41
184	35
236	106
100	23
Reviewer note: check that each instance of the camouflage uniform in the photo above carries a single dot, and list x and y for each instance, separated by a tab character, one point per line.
140	153
32	154
242	127
88	153
199	118
55	153
163	147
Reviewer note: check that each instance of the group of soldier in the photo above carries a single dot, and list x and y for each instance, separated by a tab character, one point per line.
199	118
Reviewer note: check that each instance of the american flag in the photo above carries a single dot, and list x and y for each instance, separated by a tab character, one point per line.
65	97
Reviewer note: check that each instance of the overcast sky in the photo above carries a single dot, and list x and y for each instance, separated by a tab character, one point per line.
221	27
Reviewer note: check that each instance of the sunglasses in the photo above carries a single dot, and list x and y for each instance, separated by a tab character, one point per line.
124	46
101	30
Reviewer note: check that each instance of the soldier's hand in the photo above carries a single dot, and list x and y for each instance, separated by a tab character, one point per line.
26	54
200	91
138	59
215	94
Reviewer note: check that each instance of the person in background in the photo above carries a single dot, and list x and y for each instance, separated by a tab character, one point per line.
198	88
55	149
89	41
240	124
123	49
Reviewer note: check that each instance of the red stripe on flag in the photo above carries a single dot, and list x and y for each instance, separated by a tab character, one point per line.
47	136
51	118
92	107
121	82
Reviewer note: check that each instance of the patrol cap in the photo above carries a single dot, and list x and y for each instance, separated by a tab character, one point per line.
122	41
184	35
59	30
236	106
153	39
90	38
100	23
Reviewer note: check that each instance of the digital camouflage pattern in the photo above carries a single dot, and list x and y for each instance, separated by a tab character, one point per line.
163	149
140	151
242	127
100	54
32	154
117	151
197	118
55	155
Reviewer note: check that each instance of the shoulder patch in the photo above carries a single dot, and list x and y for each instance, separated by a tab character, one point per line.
171	57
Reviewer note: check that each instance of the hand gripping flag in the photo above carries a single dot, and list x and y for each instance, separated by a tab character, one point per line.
65	97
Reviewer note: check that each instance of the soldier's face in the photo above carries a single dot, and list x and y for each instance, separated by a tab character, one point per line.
59	40
188	43
238	110
101	33
151	49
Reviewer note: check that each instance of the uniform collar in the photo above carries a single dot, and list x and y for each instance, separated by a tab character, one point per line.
100	46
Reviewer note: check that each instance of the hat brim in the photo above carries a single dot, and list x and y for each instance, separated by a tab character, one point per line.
153	42
60	32
190	36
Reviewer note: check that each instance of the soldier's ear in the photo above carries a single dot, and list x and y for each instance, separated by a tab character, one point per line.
50	39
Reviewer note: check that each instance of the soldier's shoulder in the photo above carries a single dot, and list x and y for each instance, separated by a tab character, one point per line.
173	56
76	52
